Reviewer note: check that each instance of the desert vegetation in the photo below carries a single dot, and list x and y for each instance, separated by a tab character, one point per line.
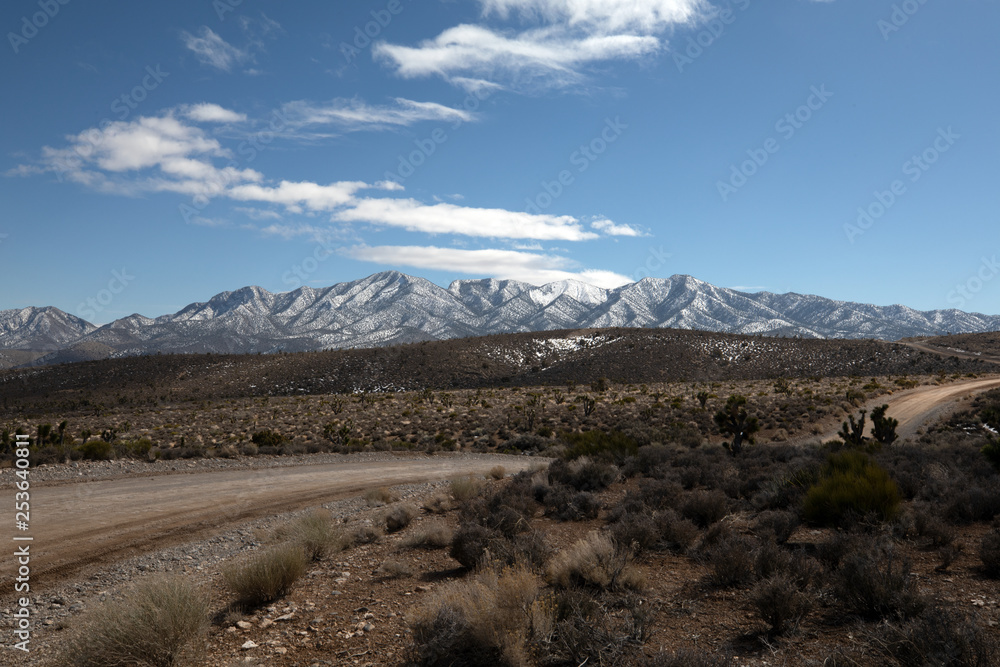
549	421
629	552
694	522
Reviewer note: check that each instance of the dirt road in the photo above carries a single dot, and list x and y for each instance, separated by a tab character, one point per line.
916	407
924	346
80	525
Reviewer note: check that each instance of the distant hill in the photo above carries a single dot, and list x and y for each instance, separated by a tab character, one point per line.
565	357
391	308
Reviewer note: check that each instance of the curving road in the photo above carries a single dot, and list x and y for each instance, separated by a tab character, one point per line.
81	525
916	407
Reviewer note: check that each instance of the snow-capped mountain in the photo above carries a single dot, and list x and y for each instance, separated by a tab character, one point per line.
40	329
392	307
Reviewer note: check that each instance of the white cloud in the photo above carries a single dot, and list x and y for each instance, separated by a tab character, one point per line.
528	267
355	114
119	159
214	51
142	143
608	16
297	197
613	229
207	112
446	218
563	38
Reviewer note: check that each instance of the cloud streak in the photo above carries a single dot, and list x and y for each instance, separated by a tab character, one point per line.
564	36
353	115
212	50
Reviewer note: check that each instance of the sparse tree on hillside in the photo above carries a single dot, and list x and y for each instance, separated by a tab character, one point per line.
735	421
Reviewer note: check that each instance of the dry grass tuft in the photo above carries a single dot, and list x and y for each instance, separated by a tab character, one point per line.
380	496
317	535
465	489
399	517
265	576
487	619
161	623
394	569
595	562
435	535
439	503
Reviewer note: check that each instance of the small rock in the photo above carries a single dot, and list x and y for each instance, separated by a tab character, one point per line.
266	622
249	644
243	625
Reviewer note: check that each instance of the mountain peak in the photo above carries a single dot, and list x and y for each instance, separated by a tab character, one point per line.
392	307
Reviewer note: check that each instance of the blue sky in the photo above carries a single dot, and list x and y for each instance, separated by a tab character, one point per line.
160	153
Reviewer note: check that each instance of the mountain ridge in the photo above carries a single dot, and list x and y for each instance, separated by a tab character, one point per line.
391	307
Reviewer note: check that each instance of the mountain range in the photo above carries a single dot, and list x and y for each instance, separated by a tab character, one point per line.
390	307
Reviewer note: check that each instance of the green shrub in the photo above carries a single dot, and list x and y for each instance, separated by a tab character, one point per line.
267	438
161	623
133	449
851	485
614	446
583	475
96	450
991	451
265	576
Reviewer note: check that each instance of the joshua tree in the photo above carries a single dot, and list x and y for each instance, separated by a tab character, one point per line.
735	421
884	428
702	398
853	434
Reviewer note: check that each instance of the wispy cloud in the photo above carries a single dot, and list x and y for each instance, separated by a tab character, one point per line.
214	51
613	229
533	268
560	39
444	218
355	114
207	112
298	197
